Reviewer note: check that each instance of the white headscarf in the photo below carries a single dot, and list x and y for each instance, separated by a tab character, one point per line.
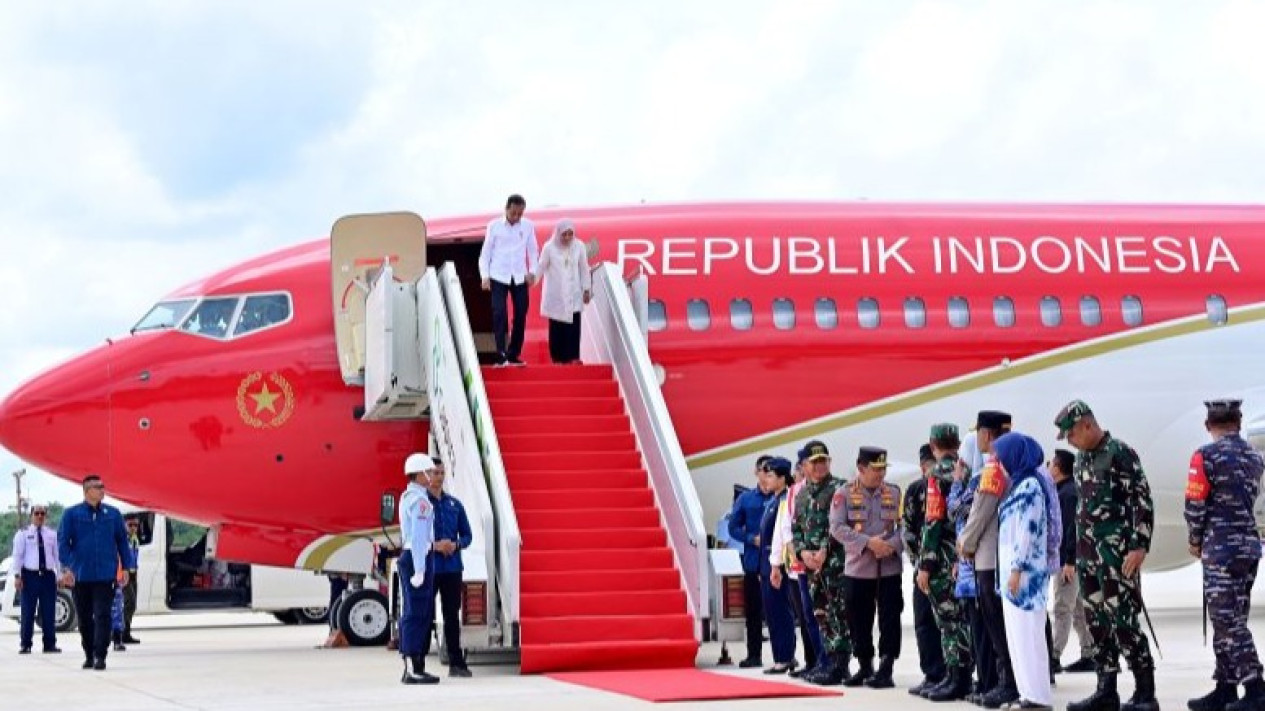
563	225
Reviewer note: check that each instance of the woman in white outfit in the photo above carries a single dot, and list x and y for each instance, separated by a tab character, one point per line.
564	266
1023	566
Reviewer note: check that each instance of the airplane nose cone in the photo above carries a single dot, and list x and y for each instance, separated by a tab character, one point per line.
59	420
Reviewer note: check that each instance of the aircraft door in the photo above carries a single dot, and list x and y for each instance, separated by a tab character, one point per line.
359	245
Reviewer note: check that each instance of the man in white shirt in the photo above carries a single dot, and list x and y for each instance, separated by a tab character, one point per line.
38	568
507	267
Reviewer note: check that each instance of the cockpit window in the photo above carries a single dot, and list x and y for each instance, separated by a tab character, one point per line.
261	312
165	314
211	318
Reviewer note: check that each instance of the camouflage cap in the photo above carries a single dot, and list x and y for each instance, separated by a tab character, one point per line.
944	430
1069	415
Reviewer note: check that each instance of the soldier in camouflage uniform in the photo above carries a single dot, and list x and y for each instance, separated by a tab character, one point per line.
822	556
1224	480
913	508
1114	520
936	564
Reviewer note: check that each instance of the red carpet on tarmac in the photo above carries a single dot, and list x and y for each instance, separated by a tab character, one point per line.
660	685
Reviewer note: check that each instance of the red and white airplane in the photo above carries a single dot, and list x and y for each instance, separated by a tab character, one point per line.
770	324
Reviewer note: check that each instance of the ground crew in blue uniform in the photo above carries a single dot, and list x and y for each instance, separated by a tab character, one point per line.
865	519
1114	520
1224	481
744	525
93	544
36	569
452	535
927	634
824	558
416	568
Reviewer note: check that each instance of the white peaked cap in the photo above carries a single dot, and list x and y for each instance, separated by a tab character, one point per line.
418	464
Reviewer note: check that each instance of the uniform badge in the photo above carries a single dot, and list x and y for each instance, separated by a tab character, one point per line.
265	401
936	508
1197	486
993	479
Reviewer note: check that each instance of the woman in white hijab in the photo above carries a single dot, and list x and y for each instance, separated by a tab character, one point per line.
564	266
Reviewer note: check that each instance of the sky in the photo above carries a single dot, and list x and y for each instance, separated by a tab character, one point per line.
145	144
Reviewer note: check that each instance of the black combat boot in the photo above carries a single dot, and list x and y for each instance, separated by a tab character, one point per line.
882	678
940	686
415	671
926	683
1004	693
1143	698
865	670
957	688
1104	697
1253	697
1222	696
836	672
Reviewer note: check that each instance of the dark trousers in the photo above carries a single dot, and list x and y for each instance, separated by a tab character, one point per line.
419	607
863	598
92	604
39	591
777	611
564	340
753	609
500	317
994	623
985	659
814	652
129	603
930	655
448	588
797	609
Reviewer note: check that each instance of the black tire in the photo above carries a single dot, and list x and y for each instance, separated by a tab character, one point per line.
310	615
364	619
67	619
334	616
287	618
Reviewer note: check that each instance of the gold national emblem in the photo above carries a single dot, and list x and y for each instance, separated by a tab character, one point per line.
265	401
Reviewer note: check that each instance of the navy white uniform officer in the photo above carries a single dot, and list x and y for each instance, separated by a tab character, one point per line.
416	569
38	568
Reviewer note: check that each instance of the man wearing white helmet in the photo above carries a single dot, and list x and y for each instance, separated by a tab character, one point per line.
417	522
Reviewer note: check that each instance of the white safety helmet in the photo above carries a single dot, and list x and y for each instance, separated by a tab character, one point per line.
418	464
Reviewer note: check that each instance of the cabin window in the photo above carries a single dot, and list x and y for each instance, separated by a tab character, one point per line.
656	315
1131	310
1091	311
1051	311
959	312
211	318
915	313
698	316
826	314
1004	311
1218	310
261	312
867	313
165	314
740	314
783	314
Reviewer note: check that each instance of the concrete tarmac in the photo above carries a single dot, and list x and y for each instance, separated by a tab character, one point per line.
249	661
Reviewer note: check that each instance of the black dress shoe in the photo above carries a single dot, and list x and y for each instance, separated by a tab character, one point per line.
87	664
52	650
24	650
750	663
118	647
778	669
1079	666
459	672
129	639
99	665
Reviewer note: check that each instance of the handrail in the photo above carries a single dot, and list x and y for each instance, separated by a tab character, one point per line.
509	540
612	335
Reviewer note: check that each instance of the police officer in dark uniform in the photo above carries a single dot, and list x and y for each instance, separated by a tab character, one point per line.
930	656
1224	480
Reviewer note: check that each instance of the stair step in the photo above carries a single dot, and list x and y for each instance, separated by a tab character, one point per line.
568	630
597	521
561	539
607	498
540	391
547	424
591	463
568	442
658	602
569	406
580	482
548	372
608	655
580	557
601	581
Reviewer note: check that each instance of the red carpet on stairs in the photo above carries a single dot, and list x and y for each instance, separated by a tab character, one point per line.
599	587
659	685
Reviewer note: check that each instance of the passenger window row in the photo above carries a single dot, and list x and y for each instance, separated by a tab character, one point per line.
1088	311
